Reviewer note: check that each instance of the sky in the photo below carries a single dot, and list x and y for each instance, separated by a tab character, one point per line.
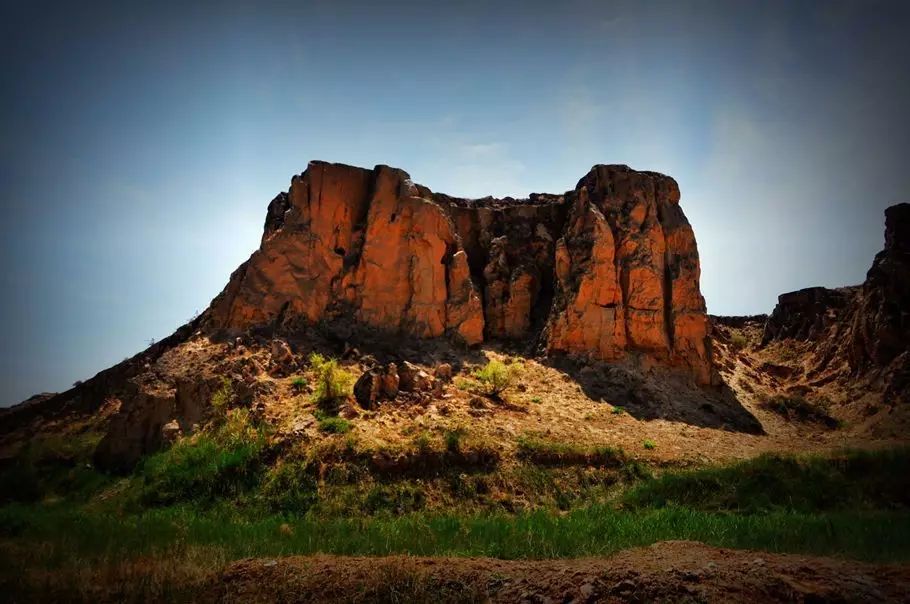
140	143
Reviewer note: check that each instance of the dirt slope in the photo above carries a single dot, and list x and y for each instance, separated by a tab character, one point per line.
673	571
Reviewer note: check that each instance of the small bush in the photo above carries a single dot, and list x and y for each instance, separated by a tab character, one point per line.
649	444
298	384
495	377
223	396
536	399
333	384
453	439
331	424
738	341
423	443
800	409
617	410
463	384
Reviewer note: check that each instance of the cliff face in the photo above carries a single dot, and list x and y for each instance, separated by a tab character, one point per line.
860	330
606	270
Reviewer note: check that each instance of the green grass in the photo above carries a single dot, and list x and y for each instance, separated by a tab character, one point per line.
289	488
453	439
222	461
331	424
213	503
593	531
53	466
539	450
848	481
649	444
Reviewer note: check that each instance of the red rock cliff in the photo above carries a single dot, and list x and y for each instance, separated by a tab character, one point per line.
606	270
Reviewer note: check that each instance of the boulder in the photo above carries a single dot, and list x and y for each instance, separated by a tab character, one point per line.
376	384
413	378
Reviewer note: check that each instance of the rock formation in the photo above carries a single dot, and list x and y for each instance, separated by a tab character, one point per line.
608	270
860	329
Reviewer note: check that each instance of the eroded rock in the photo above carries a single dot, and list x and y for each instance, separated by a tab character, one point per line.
606	269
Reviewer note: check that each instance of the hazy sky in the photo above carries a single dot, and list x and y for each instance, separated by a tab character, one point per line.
141	142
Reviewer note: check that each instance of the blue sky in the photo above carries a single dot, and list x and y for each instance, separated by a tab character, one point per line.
141	142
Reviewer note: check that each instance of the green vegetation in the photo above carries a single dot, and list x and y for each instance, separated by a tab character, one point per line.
536	400
224	494
649	444
423	442
333	384
853	480
298	384
617	410
289	488
496	377
52	466
738	341
453	439
798	408
223	396
541	451
331	424
593	531
223	460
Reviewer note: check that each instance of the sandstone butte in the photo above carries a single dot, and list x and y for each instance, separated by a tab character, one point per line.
608	270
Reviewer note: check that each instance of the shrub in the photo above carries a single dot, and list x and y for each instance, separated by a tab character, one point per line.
331	424
333	384
423	443
800	409
223	396
649	444
453	439
495	377
298	384
536	399
617	410
738	341
290	488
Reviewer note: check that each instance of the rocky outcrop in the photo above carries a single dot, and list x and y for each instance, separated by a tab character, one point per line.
627	274
880	330
862	330
608	270
360	242
807	313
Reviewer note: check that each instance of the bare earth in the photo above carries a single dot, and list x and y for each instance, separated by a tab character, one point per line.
671	571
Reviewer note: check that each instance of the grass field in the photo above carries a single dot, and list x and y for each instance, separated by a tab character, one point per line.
852	504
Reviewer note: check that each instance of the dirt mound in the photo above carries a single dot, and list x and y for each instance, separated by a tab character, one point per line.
672	571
